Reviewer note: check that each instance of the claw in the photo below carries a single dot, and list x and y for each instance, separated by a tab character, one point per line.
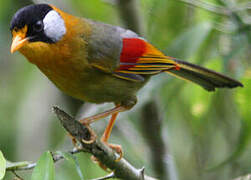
116	148
88	141
120	155
87	121
92	133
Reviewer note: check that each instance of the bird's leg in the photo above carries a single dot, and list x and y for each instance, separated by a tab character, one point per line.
87	121
114	112
96	117
105	138
109	127
107	134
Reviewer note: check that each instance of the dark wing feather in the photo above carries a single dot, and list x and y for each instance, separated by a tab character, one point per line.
206	78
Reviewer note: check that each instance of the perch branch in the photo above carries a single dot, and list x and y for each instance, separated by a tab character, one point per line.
109	176
122	169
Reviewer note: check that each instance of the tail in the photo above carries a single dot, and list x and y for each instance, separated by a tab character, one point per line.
139	58
206	78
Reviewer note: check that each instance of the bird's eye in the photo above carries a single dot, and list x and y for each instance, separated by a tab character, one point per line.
38	26
15	29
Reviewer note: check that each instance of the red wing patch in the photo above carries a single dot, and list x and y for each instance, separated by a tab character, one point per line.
133	48
140	57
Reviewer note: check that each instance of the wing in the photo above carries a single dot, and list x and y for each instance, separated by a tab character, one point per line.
123	53
138	57
105	44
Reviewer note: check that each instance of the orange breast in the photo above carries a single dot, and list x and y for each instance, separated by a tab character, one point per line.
63	62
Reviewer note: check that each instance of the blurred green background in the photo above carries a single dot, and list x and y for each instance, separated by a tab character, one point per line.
177	130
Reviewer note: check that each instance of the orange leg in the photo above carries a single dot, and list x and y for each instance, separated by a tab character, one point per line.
87	121
109	127
96	117
107	134
105	138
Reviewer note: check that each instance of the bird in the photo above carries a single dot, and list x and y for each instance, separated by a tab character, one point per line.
97	62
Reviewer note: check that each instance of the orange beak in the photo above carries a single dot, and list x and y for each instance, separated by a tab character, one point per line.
19	39
17	43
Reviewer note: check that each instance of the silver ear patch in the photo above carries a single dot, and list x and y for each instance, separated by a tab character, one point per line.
54	26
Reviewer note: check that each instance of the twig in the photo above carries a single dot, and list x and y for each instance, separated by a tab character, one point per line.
142	172
218	9
246	177
242	7
227	9
56	158
209	7
122	169
109	176
237	19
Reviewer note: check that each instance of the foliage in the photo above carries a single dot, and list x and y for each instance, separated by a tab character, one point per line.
44	169
2	165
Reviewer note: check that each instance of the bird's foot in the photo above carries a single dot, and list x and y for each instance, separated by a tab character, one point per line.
93	135
117	148
114	147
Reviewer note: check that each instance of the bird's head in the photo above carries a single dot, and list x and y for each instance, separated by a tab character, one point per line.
36	23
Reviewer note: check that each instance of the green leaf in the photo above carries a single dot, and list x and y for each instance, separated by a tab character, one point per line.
44	169
72	161
2	165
